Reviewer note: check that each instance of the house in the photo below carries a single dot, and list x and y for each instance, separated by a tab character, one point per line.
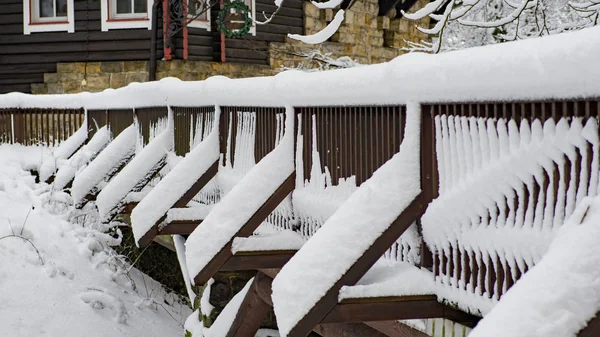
67	46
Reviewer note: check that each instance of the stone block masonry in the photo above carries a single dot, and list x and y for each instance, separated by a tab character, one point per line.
364	36
98	76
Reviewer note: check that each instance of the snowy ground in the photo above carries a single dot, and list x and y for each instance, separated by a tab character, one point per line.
58	278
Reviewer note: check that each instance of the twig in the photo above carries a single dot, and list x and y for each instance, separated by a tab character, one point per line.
26	239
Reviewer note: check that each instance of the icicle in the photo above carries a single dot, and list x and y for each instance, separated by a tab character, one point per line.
299	155
476	149
460	150
454	157
590	133
439	152
484	141
446	153
468	147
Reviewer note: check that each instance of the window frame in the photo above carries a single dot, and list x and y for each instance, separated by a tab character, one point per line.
252	6
198	23
110	20
33	23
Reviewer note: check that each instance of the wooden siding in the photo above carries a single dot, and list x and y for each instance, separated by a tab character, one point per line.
254	49
25	58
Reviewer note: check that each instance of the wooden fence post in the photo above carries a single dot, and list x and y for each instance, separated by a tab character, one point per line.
429	179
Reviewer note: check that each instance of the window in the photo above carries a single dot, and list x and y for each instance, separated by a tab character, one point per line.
200	13
252	5
48	16
124	14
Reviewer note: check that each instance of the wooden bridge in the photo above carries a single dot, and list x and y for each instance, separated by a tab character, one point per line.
469	156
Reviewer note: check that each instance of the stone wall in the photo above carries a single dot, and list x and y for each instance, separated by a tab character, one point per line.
363	36
98	76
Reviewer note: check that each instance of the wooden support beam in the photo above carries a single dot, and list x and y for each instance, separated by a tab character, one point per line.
592	329
396	329
118	209
396	308
181	227
384	309
360	267
347	329
182	202
128	208
258	260
253	309
91	196
247	229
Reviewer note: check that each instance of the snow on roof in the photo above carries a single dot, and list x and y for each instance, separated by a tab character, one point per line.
557	66
559	294
350	231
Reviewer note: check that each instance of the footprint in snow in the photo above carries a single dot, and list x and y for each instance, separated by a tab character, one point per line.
99	299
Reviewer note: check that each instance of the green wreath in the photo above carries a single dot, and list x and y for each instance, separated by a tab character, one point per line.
224	14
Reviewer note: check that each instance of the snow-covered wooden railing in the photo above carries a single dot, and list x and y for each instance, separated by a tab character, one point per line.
511	174
29	126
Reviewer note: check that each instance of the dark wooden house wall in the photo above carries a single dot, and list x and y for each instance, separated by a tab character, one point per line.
253	49
25	58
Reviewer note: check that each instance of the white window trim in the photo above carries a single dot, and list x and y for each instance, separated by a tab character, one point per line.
46	25
200	23
126	21
253	13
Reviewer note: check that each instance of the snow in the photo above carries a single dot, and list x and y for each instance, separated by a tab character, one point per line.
138	170
77	284
179	243
483	211
221	325
561	293
514	71
71	144
81	158
350	231
237	207
170	189
324	34
110	159
385	280
268	239
327	4
197	212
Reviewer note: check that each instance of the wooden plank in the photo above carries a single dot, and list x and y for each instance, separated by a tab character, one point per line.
138	187
396	308
395	329
592	329
182	227
128	208
76	57
62	37
257	260
77	47
322	308
347	329
247	229
253	309
182	202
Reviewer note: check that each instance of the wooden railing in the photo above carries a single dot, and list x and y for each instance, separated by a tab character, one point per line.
460	143
39	126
